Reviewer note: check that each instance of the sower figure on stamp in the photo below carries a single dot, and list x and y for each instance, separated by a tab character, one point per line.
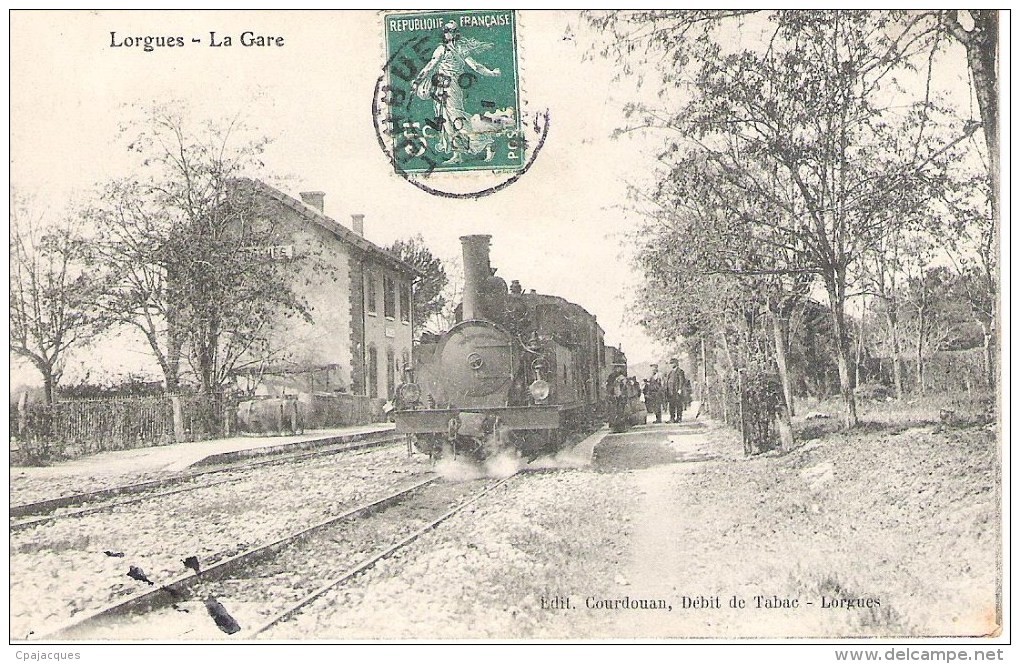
653	394
676	386
441	80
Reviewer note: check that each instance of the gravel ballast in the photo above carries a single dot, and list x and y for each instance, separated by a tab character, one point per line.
883	532
867	535
59	569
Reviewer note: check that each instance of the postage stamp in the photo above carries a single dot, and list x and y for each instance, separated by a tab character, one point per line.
453	86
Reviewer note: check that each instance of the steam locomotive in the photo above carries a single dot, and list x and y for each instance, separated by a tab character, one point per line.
520	371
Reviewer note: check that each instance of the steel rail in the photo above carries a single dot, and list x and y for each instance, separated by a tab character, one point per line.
21	525
41	507
174	590
368	562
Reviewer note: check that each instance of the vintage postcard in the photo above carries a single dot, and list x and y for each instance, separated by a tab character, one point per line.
511	326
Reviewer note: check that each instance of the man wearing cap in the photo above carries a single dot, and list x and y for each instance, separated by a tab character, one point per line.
676	384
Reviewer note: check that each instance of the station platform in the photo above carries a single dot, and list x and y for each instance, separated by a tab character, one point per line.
179	457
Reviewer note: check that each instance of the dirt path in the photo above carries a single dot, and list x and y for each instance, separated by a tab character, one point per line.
851	537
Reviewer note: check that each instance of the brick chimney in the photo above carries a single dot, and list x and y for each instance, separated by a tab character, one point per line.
315	199
358	224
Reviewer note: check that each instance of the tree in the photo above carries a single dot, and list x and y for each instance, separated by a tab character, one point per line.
185	248
970	244
430	296
897	257
981	41
982	44
687	35
140	271
674	38
803	125
695	229
50	294
931	318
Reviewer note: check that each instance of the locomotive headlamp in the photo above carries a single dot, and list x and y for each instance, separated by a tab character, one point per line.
409	393
539	390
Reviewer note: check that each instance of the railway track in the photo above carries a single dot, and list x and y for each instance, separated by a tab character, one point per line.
32	514
263	587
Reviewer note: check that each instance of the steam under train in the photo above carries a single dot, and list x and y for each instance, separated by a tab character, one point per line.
520	371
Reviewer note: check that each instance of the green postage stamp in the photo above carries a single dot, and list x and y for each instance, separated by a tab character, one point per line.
453	92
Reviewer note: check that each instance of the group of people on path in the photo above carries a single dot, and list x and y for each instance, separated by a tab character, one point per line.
672	392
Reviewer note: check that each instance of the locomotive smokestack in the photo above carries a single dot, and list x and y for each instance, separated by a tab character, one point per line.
476	272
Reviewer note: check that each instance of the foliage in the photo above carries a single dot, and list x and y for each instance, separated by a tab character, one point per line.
51	295
86	387
430	287
184	249
790	159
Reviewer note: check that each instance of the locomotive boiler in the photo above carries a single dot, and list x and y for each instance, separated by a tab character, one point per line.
520	371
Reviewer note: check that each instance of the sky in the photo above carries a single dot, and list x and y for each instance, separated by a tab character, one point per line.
558	229
561	229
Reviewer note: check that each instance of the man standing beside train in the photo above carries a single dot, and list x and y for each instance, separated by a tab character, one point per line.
676	388
653	394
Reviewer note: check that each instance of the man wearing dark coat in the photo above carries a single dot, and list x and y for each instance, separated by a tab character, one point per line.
617	396
676	388
654	394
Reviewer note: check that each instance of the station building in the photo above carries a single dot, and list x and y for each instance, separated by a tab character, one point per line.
357	338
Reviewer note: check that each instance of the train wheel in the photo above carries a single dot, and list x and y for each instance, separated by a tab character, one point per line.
555	440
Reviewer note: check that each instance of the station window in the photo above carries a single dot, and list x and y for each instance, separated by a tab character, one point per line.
371	296
391	376
389	298
405	304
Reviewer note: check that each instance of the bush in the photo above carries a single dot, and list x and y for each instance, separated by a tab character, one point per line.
872	392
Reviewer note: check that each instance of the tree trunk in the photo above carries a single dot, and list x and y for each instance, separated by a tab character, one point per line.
726	349
206	352
172	366
894	341
860	346
208	346
704	373
48	384
987	356
744	435
920	369
919	352
982	44
785	430
837	300
784	374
